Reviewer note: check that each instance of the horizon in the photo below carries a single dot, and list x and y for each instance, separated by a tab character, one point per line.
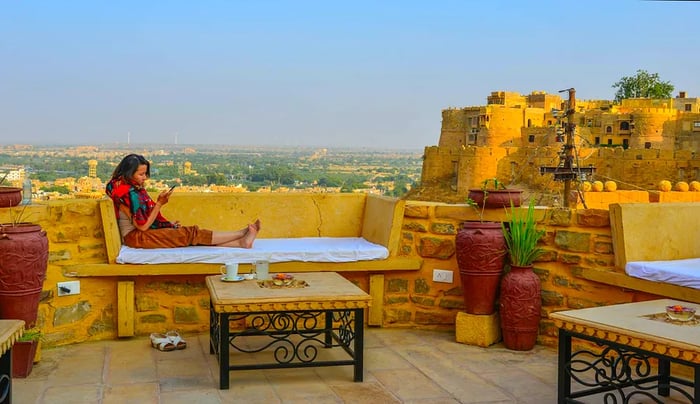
313	74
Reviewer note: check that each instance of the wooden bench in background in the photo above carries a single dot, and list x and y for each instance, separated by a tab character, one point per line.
375	218
651	232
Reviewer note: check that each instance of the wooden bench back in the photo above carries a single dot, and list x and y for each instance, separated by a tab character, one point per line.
655	231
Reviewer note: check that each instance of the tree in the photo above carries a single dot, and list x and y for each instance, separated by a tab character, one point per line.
642	85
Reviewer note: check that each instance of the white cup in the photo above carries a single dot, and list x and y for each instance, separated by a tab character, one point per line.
230	270
262	269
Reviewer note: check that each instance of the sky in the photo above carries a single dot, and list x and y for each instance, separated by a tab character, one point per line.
368	74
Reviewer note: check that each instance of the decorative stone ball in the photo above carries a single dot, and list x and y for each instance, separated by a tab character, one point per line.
695	186
681	186
610	186
597	186
586	186
665	185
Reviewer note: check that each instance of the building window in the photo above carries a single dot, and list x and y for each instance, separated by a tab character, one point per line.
624	125
608	129
609	142
597	140
549	123
647	145
529	123
625	143
696	125
531	138
688	107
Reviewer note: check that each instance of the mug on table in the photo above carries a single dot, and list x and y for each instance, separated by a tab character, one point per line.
230	270
262	269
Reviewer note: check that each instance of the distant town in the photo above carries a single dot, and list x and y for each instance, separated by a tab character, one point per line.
62	172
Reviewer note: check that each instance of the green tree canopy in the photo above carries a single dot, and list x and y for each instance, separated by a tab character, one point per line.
642	85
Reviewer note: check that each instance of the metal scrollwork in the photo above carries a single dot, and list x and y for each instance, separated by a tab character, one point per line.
294	336
615	369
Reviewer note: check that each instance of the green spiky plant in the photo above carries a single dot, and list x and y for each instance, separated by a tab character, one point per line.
522	236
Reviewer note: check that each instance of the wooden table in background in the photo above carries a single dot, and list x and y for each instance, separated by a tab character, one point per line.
328	313
10	330
628	336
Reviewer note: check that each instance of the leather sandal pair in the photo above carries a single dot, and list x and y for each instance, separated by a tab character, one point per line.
169	341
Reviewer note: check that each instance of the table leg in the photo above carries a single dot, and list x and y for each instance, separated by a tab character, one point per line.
6	377
359	343
212	334
564	381
223	351
696	385
328	335
664	382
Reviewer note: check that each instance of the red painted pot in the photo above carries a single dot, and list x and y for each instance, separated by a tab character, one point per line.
10	196
481	250
23	353
24	252
520	306
496	198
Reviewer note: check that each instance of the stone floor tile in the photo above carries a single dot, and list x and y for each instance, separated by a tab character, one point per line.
409	384
520	384
448	372
72	394
363	393
131	393
191	396
27	390
384	358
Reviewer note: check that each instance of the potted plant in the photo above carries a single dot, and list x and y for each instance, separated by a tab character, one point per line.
520	295
9	196
24	252
496	196
23	352
480	250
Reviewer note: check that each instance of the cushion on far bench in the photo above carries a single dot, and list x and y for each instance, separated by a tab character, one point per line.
305	249
685	272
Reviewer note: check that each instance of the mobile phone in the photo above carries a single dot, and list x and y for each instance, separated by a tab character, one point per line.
172	188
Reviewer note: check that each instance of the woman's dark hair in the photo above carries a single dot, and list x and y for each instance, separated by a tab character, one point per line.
128	166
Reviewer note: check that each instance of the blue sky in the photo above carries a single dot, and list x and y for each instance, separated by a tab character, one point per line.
313	73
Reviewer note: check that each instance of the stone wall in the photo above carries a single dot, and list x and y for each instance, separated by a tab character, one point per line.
575	239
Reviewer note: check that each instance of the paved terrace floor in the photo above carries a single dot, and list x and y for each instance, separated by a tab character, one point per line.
401	366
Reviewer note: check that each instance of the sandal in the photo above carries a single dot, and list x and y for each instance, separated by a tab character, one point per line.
176	339
162	342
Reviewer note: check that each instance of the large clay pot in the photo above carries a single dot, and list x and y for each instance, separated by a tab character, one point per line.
520	305
481	250
496	198
10	196
24	252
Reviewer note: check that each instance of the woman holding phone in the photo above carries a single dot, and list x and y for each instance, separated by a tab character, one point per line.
141	224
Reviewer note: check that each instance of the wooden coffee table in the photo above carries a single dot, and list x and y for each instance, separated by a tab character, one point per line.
628	337
296	321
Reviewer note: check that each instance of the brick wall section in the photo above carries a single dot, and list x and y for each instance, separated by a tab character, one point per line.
574	239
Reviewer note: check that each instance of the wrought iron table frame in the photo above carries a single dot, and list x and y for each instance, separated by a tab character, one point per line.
280	327
618	366
293	324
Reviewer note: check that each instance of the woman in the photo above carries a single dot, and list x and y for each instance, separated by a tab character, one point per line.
143	226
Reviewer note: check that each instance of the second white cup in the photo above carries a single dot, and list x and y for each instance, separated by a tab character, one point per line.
230	270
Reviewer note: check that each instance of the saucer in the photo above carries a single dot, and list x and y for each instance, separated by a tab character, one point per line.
238	278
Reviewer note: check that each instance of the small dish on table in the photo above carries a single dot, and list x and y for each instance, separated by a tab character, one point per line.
680	313
282	279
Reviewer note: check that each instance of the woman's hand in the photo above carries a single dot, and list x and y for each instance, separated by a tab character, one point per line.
163	197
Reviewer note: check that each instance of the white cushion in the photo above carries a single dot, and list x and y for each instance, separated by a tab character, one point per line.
684	272
306	249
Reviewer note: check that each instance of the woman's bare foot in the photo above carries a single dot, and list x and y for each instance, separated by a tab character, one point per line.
249	237
257	224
